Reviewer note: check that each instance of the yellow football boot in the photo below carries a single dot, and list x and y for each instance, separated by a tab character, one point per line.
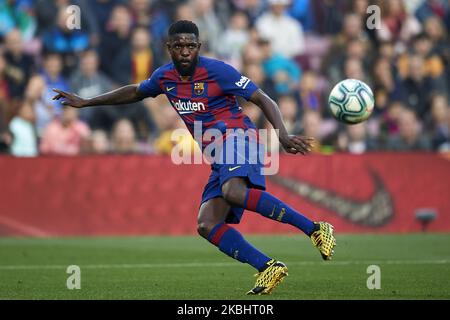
323	239
269	278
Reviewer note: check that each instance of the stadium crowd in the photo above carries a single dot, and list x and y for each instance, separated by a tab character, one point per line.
295	50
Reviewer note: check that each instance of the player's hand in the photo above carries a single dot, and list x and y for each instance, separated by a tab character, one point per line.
70	99
295	144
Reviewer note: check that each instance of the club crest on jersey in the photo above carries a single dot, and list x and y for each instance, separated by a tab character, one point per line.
199	88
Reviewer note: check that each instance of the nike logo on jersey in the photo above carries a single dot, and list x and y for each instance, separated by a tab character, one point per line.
375	211
169	88
233	168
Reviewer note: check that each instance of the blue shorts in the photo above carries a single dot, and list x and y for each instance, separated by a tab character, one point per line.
244	164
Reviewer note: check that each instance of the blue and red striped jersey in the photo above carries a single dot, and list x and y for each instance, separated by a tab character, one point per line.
208	96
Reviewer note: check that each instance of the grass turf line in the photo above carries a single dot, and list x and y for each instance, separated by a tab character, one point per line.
414	266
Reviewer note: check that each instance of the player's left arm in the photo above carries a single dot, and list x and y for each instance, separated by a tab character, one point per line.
233	83
291	143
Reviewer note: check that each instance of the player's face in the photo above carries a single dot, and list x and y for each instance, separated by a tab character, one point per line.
183	49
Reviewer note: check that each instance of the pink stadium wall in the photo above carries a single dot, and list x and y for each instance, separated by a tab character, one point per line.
148	195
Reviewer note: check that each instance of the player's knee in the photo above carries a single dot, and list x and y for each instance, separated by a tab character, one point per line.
204	228
233	193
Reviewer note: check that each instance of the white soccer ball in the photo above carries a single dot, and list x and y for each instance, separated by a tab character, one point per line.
351	101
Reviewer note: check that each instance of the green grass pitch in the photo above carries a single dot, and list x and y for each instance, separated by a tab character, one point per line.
415	266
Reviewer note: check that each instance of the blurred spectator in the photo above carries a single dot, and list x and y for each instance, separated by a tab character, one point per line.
65	41
165	143
361	50
356	140
310	96
5	94
234	39
47	19
52	74
43	109
252	53
5	139
207	21
391	119
252	8
284	33
141	12
289	111
98	143
19	15
409	137
406	63
185	12
440	123
255	72
351	31
311	126
5	136
396	24
149	14
284	72
65	135
301	11
386	50
24	142
354	69
19	64
423	46
328	15
431	8
116	38
383	85
415	90
89	82
123	138
134	64
435	30
101	10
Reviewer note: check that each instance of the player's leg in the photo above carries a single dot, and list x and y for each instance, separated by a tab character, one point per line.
212	226
236	192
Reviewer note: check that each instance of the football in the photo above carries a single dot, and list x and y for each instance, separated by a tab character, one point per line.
351	101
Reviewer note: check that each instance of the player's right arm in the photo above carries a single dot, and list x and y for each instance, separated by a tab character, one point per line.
123	95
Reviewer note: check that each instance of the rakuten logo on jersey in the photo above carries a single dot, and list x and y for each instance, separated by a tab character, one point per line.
188	106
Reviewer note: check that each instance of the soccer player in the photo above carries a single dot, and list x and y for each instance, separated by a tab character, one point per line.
204	89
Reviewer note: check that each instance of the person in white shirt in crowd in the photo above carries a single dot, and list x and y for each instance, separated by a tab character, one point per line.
24	143
284	32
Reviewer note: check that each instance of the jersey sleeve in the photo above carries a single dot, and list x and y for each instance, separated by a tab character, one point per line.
151	87
233	82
